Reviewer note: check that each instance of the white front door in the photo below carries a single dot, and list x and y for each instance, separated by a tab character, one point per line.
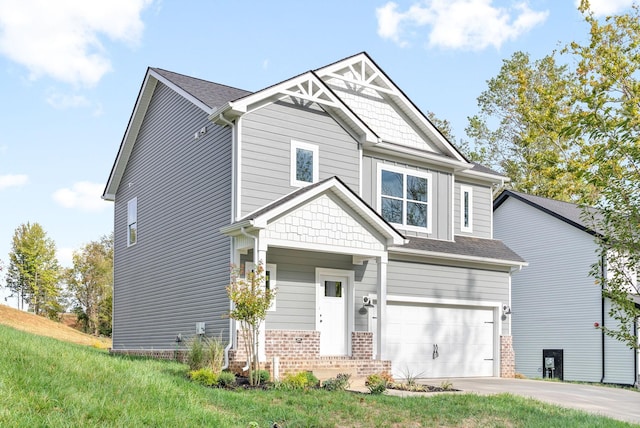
332	297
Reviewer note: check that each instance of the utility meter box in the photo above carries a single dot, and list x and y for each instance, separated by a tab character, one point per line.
552	363
200	326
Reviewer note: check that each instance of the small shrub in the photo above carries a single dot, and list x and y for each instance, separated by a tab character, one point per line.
226	379
195	354
338	383
300	380
260	377
376	383
446	385
204	376
520	376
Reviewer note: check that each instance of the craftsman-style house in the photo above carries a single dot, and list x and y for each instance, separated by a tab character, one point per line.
375	230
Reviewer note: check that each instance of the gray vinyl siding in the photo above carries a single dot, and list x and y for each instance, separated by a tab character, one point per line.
440	188
482	207
175	275
296	285
619	359
554	300
413	279
266	135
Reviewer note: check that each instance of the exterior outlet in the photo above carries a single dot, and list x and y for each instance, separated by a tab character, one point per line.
200	326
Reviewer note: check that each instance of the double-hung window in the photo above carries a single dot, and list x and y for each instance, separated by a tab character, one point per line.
466	209
132	222
405	197
304	164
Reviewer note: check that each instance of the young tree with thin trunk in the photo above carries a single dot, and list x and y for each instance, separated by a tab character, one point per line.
251	300
33	273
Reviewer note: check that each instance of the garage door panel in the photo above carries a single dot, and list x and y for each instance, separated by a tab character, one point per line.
464	337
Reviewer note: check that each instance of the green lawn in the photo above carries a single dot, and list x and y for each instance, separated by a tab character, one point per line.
49	383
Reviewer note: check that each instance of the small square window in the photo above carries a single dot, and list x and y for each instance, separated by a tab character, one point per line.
304	164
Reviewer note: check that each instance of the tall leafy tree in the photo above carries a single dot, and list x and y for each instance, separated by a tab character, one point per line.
518	130
90	282
607	118
33	273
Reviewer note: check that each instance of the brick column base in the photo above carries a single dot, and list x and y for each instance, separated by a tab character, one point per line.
507	357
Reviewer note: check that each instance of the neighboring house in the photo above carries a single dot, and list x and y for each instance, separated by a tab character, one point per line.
344	189
555	301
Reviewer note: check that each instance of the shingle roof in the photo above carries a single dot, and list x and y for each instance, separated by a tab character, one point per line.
466	246
212	94
481	168
568	212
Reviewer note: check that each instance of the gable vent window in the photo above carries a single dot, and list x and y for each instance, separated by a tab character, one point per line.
466	209
132	222
304	164
405	197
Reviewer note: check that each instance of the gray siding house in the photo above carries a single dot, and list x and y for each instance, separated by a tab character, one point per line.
555	302
376	231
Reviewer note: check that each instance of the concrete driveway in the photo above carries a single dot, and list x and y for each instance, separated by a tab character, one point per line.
620	404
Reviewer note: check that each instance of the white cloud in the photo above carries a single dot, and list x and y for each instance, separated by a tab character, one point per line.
607	7
13	180
458	24
62	101
83	195
62	38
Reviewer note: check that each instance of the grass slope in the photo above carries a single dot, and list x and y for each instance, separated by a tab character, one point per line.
41	326
46	382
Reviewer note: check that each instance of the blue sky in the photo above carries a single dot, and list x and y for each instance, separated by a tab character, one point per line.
70	71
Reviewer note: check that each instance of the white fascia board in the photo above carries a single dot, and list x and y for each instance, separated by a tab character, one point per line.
413	154
494	178
461	257
236	228
325	248
130	136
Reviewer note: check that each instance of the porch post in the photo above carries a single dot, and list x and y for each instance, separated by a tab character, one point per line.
261	256
381	321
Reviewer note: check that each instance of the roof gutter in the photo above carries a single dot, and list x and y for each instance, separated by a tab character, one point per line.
603	273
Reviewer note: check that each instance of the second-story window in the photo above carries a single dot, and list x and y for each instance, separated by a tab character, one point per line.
405	197
132	222
304	164
466	209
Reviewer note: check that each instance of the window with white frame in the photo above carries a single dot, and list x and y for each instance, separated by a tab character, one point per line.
269	278
405	197
304	163
466	208
132	222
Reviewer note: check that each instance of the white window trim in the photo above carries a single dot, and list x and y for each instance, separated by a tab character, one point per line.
273	274
415	173
469	190
132	202
306	146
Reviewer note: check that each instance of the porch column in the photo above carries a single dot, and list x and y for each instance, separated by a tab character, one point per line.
381	321
261	256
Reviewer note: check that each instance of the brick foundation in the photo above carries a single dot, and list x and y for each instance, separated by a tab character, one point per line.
299	350
507	357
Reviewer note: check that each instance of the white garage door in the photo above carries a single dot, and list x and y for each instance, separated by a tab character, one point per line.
440	341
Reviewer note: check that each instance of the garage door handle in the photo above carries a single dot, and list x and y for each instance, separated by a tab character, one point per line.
488	359
436	354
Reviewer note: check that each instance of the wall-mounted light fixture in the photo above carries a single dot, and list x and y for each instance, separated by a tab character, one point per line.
506	310
366	304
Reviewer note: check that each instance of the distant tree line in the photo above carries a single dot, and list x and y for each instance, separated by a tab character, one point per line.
34	276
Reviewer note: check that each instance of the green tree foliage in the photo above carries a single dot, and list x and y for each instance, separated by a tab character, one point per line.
518	130
251	300
607	117
90	282
33	273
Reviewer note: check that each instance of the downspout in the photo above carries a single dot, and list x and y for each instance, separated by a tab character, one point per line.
227	348
603	272
635	356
